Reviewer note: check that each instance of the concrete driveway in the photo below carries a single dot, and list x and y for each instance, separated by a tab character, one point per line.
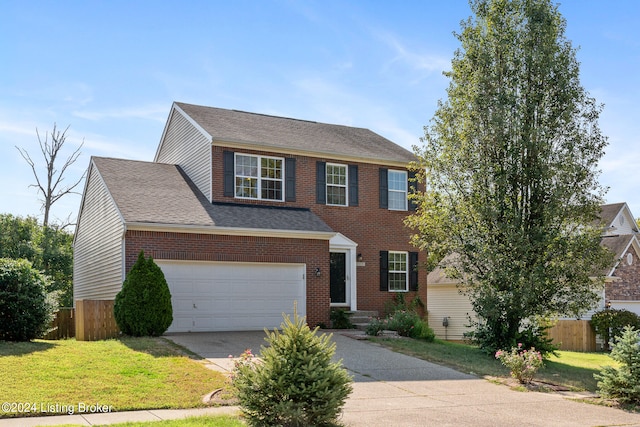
392	389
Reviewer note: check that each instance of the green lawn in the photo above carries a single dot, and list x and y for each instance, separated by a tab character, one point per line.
206	421
571	369
124	374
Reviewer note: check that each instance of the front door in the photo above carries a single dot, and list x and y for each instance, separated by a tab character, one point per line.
338	277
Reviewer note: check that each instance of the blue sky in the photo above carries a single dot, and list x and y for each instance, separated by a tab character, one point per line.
111	69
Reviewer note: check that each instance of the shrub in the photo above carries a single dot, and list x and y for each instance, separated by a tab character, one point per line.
375	326
422	331
340	319
523	363
623	383
143	305
25	307
295	384
403	322
610	323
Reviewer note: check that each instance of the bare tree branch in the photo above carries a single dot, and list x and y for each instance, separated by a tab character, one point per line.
54	190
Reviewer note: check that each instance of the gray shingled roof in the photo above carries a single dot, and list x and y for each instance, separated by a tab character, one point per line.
280	132
156	193
617	244
608	213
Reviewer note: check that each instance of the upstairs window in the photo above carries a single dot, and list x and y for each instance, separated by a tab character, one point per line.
336	184
397	190
258	177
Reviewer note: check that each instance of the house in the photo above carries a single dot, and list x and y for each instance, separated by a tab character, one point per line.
247	214
622	282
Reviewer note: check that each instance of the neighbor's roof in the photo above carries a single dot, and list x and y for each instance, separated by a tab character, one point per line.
617	244
242	127
162	194
609	212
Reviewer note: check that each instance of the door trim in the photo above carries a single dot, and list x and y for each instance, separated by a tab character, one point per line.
341	243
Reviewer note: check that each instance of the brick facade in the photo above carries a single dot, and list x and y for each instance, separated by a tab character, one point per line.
627	287
211	247
371	227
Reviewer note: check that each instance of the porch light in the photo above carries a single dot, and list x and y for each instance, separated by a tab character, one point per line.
317	271
359	257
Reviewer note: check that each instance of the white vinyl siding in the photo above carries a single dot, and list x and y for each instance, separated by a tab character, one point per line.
445	301
98	245
185	145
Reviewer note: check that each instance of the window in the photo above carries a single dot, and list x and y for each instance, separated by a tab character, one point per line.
258	177
398	272
336	184
397	190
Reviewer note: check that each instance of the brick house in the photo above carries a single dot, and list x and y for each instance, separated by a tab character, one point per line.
622	282
248	213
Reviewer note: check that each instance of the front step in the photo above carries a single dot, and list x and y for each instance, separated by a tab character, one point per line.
361	318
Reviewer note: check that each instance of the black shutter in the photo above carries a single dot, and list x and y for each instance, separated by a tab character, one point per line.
412	185
228	174
384	270
290	179
413	271
384	188
321	183
353	185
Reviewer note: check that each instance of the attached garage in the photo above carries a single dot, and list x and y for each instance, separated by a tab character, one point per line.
212	296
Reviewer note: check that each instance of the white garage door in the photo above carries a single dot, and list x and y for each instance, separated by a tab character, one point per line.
209	296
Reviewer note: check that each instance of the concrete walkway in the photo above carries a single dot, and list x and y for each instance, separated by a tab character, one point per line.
389	389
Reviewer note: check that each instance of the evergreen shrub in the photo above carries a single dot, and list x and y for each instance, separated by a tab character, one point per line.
295	384
143	305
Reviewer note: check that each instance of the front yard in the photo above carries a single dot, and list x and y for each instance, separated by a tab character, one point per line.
49	377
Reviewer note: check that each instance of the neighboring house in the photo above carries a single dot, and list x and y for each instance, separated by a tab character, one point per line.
622	282
247	214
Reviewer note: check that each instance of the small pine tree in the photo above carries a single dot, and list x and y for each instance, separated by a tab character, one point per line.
143	305
296	384
623	383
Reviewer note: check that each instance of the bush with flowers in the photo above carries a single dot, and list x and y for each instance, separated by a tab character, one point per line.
523	363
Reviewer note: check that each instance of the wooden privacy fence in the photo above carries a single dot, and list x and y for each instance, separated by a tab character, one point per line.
63	325
95	320
573	335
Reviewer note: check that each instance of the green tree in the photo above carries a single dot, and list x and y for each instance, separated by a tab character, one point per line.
622	383
49	249
510	164
297	384
143	305
25	307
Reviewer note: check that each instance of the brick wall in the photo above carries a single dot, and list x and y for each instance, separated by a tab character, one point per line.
208	247
627	288
372	228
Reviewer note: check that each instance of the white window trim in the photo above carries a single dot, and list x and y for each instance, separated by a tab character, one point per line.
405	192
259	177
406	271
346	184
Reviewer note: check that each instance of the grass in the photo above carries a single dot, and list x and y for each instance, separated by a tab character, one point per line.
205	421
124	374
570	369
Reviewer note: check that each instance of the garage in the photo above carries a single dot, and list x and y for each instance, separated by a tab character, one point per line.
210	296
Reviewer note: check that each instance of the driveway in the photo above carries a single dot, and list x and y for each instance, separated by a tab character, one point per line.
392	389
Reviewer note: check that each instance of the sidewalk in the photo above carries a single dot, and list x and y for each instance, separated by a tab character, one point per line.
117	417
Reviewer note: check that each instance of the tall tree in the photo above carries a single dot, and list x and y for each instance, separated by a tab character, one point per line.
510	161
50	186
49	249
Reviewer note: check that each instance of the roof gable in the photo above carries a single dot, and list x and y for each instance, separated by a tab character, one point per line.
617	219
286	134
